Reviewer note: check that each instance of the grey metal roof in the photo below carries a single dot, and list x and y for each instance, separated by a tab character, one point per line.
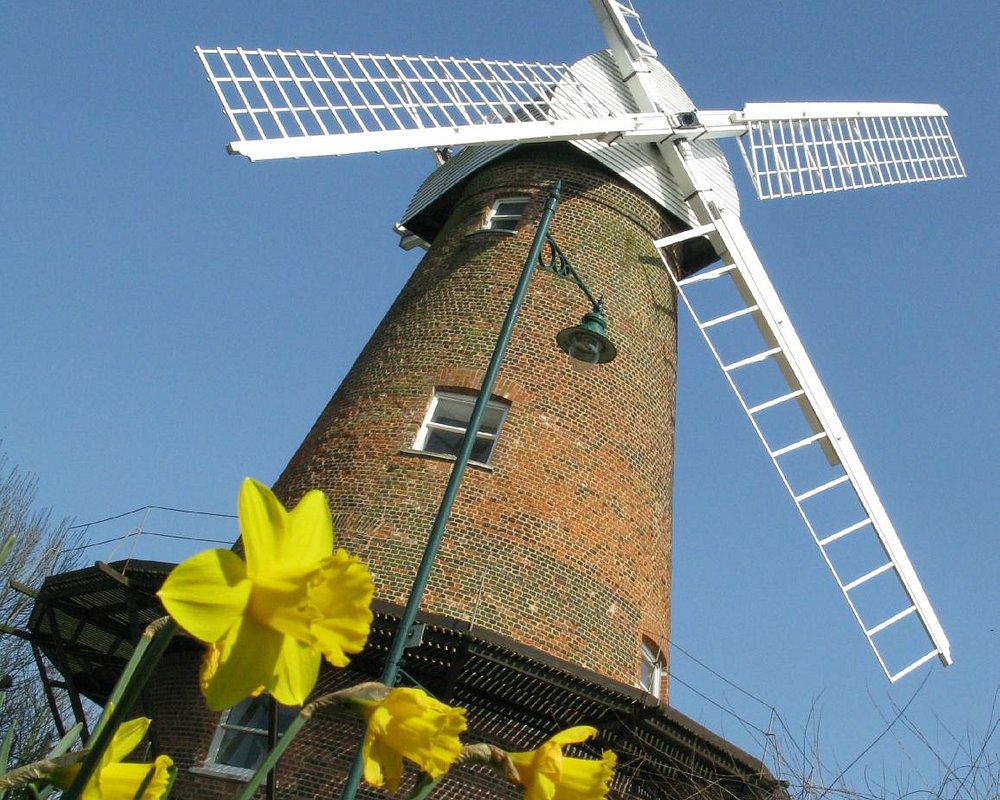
636	163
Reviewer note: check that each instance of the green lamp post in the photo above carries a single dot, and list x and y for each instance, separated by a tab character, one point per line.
586	344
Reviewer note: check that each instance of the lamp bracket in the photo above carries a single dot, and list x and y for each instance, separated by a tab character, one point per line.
555	260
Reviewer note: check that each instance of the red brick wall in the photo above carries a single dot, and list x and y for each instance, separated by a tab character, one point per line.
318	761
565	543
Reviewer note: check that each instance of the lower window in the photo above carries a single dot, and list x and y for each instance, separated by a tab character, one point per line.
240	741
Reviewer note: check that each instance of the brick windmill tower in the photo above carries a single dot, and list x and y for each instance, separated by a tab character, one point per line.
548	604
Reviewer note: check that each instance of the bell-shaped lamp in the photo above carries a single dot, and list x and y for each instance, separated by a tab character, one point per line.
587	344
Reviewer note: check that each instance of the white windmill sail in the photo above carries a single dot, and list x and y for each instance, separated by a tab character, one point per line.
876	577
296	104
794	148
290	104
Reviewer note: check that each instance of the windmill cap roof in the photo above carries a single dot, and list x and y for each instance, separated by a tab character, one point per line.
636	163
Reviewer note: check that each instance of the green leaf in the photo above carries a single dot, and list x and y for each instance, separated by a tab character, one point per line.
424	787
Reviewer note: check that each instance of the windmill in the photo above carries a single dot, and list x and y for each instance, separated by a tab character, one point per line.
625	110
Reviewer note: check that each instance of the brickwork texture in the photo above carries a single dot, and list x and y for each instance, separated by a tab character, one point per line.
564	542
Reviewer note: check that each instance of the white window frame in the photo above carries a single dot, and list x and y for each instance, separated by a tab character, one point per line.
466	401
214	767
651	661
498	219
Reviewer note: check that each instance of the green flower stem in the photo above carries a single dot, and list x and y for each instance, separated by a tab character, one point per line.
272	757
369	691
137	673
67	741
114	699
425	785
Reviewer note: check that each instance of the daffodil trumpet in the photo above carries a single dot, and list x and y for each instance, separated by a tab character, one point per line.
547	774
407	723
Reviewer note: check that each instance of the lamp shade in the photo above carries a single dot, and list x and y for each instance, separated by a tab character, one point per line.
587	342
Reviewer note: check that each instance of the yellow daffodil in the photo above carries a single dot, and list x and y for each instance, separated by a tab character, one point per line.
409	723
547	774
268	619
114	780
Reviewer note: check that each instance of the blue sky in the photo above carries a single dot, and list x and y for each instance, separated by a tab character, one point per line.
172	319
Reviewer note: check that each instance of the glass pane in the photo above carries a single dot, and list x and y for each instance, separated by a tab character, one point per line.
285	716
481	450
647	675
492	417
453	411
504	223
511	208
456	411
241	749
449	442
446	442
250	713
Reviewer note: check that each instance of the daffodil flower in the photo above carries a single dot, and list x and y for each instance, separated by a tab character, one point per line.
114	780
267	620
409	723
547	774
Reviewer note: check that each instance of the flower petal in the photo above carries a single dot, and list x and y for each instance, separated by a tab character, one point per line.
207	593
373	754
312	526
126	739
417	727
247	661
278	541
328	607
574	735
547	774
122	781
262	525
295	672
542	788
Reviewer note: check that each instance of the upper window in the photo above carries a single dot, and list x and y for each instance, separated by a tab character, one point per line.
651	670
240	741
447	420
505	213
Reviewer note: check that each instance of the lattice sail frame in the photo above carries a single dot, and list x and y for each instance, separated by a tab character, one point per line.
790	149
295	103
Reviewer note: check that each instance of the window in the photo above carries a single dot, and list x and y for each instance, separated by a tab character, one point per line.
651	669
447	420
505	213
240	741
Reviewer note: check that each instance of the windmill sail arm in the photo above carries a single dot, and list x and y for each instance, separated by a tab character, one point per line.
293	104
617	21
781	325
764	112
634	127
781	345
793	149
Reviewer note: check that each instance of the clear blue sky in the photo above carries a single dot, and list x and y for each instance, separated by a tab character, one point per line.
172	319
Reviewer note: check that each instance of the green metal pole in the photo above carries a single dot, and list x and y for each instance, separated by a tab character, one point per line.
391	670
